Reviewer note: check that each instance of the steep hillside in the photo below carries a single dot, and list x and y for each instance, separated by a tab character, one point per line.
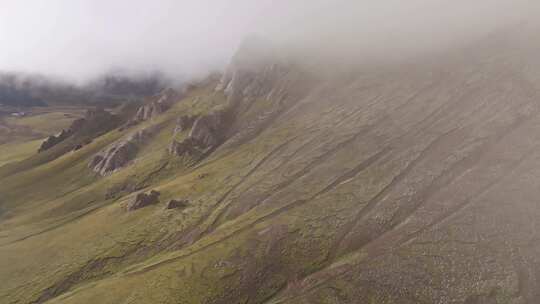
295	182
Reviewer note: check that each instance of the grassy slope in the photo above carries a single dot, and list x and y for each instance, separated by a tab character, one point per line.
351	194
45	123
17	151
21	137
137	245
49	211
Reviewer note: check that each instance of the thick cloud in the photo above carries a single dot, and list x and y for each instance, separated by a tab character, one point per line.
80	39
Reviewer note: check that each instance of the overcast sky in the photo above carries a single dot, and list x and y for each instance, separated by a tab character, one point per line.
80	39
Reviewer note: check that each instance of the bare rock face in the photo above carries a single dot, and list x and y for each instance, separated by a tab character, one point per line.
177	204
143	199
119	153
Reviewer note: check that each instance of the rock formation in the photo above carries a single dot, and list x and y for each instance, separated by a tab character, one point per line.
142	200
93	121
119	154
254	73
207	132
53	140
157	105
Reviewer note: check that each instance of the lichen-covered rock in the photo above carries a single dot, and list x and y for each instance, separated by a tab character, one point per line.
142	200
177	204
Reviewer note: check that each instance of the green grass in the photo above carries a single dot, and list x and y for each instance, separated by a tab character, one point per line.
45	123
63	228
48	219
17	151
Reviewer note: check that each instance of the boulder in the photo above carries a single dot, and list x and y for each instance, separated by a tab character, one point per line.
177	204
142	200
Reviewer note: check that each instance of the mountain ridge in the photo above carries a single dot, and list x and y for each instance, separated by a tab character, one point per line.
411	183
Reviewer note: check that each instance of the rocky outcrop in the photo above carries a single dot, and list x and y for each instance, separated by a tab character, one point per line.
149	111
119	154
93	121
177	204
207	132
157	105
254	73
143	200
53	140
210	130
261	86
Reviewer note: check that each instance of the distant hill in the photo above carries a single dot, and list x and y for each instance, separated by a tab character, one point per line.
34	90
13	96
